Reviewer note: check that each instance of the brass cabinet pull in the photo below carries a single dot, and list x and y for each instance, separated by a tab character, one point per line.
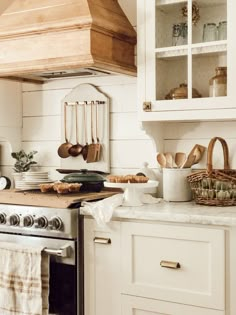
102	240
170	264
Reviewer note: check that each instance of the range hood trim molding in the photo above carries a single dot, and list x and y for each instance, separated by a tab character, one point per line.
80	50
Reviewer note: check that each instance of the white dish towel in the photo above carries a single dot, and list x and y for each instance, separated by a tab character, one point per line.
24	280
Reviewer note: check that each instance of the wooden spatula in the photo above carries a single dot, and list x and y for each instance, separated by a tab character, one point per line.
98	144
92	149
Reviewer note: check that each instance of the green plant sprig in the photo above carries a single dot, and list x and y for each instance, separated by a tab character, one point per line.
23	160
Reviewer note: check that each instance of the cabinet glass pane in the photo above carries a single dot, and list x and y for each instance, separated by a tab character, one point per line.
170	74
212	25
204	70
171	24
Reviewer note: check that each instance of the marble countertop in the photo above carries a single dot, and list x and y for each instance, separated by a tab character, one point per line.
179	212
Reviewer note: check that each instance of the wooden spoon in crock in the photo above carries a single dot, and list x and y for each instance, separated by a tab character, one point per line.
161	159
64	147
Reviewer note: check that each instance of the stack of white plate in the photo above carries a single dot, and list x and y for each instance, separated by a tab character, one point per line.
32	180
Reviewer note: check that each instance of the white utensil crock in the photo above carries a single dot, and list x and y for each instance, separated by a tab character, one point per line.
175	184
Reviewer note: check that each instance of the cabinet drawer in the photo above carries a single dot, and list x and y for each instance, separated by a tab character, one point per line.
200	252
102	269
139	306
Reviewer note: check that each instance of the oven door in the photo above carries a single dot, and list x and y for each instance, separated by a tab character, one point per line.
63	270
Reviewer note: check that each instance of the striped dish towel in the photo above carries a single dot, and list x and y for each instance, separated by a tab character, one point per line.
24	280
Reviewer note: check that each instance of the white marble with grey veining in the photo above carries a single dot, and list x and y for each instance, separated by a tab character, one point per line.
178	212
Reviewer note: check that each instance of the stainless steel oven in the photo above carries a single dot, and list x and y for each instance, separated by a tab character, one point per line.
57	230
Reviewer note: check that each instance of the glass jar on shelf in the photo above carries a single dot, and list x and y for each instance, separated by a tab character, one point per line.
209	32
179	34
218	84
222	30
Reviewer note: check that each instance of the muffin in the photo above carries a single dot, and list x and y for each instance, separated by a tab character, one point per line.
46	187
62	188
75	187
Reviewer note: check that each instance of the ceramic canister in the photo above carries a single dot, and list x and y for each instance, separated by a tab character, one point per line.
175	184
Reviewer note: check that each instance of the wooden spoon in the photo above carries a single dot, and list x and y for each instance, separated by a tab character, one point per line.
180	158
64	147
92	151
161	159
98	144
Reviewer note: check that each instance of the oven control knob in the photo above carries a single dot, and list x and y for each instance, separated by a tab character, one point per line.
55	223
28	221
14	220
41	222
2	218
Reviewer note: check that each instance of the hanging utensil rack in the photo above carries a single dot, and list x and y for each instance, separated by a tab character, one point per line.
90	98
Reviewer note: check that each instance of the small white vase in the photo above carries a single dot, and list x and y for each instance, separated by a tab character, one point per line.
17	177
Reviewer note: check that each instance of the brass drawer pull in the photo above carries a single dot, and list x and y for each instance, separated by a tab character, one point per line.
102	240
170	264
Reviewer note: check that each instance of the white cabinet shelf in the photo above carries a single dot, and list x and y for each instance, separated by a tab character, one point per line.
201	3
213	48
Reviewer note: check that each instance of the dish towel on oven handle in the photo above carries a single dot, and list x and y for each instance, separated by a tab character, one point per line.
24	280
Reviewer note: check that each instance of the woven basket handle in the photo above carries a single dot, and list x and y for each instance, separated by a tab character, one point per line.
210	153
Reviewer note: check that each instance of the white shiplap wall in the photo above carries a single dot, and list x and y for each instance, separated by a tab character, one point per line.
129	145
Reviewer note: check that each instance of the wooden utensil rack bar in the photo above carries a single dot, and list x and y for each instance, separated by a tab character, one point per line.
85	103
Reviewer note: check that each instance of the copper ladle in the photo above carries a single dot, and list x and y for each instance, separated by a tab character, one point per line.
76	149
64	147
85	147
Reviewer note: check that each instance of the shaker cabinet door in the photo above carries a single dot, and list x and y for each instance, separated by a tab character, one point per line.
181	57
102	269
139	306
174	263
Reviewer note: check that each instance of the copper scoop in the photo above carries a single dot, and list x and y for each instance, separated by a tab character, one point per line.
76	149
85	147
64	147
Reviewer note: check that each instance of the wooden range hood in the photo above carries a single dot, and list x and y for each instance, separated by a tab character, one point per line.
47	39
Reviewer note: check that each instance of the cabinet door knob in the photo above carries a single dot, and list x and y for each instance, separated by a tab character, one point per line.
170	264
102	240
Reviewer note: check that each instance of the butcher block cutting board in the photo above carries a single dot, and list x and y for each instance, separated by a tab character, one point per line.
51	200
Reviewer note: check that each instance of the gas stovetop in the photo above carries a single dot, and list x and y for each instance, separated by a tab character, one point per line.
42	221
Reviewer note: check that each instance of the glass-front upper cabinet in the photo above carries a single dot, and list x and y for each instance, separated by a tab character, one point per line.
186	59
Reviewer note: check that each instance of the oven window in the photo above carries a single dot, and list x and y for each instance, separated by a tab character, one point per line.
63	292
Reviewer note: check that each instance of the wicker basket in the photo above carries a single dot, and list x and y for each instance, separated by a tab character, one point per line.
213	187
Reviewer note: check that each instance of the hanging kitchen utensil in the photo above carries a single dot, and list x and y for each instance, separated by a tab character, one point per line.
98	144
76	149
64	147
85	147
92	151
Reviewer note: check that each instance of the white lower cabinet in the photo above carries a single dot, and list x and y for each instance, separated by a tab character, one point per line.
152	268
132	305
102	269
174	263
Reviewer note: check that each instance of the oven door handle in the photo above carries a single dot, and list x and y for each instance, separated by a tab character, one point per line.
64	251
